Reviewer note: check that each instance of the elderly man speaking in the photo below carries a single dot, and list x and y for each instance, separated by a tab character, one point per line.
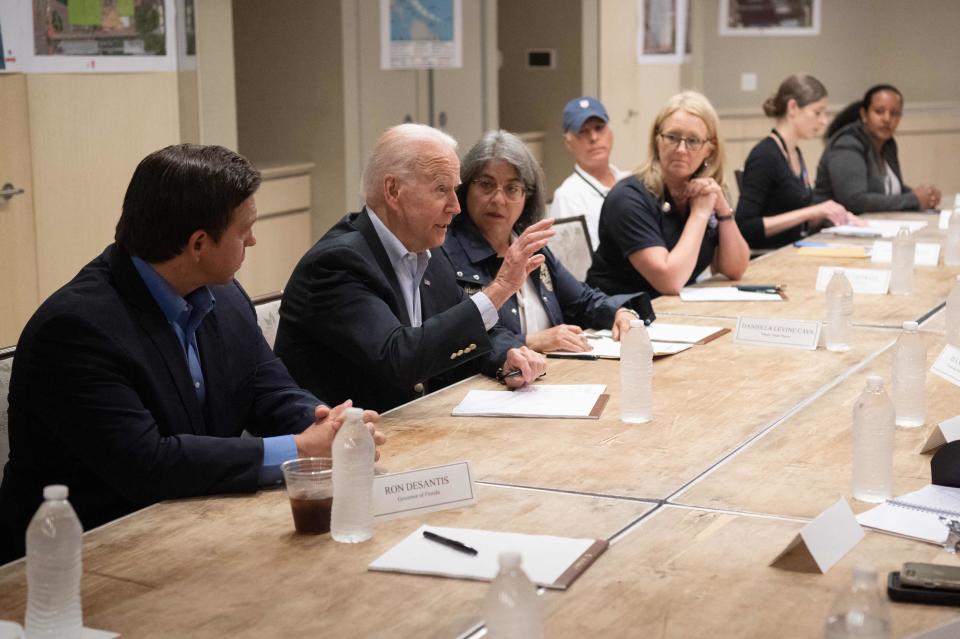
371	313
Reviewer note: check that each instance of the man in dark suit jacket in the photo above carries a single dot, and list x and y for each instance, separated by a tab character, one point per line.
371	313
133	382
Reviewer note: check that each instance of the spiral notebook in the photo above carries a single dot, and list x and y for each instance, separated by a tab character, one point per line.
916	515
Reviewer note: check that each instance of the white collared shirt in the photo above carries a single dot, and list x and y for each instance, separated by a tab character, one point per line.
583	194
409	268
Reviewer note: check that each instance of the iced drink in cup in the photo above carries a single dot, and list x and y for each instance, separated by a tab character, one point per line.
310	488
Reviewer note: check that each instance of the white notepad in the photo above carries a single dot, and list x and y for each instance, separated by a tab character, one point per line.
916	515
551	562
585	401
606	348
682	333
725	294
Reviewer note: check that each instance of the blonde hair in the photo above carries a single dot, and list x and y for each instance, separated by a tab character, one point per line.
651	172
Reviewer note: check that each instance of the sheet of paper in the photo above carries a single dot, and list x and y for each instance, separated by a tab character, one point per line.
682	333
947	365
545	558
863	280
725	294
536	400
661	349
926	254
889	228
847	230
834	251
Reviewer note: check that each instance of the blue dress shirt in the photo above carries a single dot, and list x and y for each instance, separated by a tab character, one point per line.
185	315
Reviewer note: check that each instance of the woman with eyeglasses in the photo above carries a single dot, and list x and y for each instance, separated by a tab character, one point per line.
660	228
501	193
859	167
776	205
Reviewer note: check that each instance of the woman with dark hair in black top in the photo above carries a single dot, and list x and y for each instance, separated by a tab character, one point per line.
860	168
776	203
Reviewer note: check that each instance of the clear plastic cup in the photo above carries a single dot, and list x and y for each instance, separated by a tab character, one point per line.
310	488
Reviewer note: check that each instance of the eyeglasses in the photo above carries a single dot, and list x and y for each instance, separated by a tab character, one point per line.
673	141
514	191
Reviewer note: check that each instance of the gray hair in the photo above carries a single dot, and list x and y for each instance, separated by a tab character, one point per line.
398	151
503	145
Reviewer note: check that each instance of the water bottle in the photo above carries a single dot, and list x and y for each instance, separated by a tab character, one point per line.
839	312
636	375
351	518
901	264
53	568
953	315
873	430
512	609
951	252
860	611
909	376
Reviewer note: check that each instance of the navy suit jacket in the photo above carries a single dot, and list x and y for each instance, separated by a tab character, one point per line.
344	330
566	299
101	399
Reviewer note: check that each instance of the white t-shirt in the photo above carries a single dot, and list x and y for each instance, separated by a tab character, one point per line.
582	194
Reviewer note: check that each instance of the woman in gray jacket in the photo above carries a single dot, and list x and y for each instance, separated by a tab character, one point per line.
859	166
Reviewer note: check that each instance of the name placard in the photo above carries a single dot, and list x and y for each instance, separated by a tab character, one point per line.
943	433
947	365
777	332
826	539
944	222
423	491
863	280
925	253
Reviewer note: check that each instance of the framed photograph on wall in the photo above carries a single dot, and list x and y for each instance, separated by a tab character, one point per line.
770	17
663	31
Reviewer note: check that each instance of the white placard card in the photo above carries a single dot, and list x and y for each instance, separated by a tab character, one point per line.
945	219
826	539
423	491
925	254
863	280
777	332
947	365
943	433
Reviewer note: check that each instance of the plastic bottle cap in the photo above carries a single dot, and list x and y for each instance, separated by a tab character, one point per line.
509	559
354	413
910	326
55	491
636	323
874	382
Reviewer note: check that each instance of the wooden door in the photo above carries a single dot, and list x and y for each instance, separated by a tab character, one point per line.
18	255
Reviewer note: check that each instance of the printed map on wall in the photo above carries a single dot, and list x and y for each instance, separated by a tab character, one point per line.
99	27
421	34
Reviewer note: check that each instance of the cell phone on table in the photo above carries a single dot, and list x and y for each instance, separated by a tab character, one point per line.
931	576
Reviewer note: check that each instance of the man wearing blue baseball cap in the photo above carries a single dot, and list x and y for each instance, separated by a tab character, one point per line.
588	137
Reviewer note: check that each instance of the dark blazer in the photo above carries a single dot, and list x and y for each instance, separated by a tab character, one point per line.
850	174
566	299
101	400
344	329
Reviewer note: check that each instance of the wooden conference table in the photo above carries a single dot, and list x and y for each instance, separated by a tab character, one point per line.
747	443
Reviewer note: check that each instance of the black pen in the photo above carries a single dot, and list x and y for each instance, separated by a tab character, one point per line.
759	288
573	356
449	543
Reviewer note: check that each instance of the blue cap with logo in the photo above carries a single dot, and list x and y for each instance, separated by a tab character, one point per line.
579	110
